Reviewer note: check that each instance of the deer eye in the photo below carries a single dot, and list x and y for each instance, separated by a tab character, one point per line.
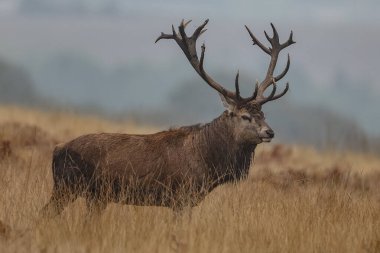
245	117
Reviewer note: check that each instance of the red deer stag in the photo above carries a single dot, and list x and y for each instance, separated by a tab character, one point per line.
160	169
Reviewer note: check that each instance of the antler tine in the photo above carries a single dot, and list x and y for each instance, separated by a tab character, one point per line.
210	81
199	30
268	37
203	48
256	89
257	42
281	94
285	71
237	86
275	33
289	42
275	40
254	95
184	24
263	99
168	36
273	91
181	29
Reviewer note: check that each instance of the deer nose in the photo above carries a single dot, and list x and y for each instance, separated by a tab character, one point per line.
270	133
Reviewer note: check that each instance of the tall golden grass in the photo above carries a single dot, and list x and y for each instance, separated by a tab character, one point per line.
295	200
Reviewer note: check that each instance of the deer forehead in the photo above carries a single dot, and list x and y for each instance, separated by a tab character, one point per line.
251	110
244	112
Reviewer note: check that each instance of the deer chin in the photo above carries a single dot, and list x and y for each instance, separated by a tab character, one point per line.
266	139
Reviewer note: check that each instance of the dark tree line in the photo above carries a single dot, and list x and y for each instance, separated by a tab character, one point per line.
16	85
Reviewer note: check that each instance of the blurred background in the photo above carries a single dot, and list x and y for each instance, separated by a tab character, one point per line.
99	57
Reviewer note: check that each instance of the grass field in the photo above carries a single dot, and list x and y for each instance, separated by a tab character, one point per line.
296	199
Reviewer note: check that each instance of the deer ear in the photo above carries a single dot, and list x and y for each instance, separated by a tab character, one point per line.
229	104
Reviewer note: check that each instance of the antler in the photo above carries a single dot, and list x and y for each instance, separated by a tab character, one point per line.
188	46
274	53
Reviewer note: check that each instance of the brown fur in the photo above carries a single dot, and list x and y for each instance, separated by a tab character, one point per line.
149	169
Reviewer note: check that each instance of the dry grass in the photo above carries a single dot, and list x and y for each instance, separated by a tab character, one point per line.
295	200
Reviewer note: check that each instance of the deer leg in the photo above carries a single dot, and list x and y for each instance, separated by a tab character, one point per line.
57	203
95	205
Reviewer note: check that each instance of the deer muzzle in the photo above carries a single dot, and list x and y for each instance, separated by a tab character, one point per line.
266	134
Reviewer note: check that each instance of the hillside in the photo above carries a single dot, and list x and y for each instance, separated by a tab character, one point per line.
296	199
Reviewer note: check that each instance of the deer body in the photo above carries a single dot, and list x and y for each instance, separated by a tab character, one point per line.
161	168
155	162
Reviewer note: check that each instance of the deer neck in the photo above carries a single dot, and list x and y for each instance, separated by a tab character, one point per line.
220	150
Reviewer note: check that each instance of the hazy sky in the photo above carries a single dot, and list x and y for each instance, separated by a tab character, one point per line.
337	41
316	11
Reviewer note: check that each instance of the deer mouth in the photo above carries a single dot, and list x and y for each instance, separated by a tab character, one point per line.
266	139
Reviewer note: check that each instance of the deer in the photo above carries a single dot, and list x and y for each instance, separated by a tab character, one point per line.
169	167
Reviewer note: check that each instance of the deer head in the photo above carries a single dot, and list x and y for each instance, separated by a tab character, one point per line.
244	114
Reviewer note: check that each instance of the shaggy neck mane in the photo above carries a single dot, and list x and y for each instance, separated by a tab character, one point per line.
215	141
